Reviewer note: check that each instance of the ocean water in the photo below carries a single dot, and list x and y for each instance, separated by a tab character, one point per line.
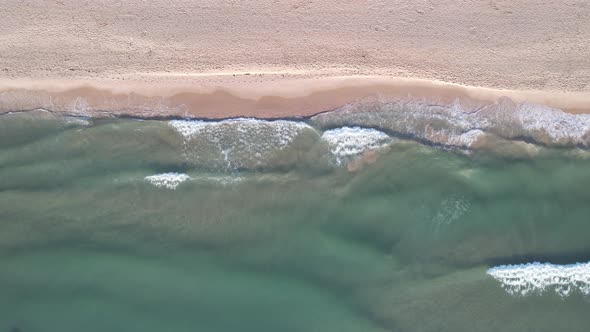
381	217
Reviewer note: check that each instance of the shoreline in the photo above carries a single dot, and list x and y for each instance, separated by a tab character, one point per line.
262	95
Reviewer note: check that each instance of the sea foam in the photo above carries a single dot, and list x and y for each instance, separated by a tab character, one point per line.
349	142
167	180
537	277
237	143
282	131
246	143
462	126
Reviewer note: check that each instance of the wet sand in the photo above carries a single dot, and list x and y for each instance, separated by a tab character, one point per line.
262	98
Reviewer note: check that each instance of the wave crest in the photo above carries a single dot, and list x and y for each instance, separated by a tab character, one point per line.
537	277
167	180
349	142
236	143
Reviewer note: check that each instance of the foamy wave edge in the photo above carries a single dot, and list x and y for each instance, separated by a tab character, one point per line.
167	180
524	279
344	143
458	125
289	129
356	128
172	180
349	142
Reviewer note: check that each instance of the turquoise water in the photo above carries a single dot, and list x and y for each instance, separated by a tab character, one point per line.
274	229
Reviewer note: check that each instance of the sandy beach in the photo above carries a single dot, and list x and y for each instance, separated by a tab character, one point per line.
288	58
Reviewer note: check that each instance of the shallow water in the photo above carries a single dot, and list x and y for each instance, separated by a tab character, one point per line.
248	225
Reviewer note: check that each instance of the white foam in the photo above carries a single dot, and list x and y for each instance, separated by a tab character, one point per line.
537	277
187	128
284	130
560	127
459	125
236	143
347	141
467	139
446	137
78	121
167	180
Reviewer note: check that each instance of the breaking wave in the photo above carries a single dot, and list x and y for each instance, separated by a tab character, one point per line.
347	142
335	138
173	180
461	126
348	132
167	180
237	143
244	130
537	277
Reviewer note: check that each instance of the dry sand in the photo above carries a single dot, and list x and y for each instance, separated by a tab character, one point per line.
284	58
